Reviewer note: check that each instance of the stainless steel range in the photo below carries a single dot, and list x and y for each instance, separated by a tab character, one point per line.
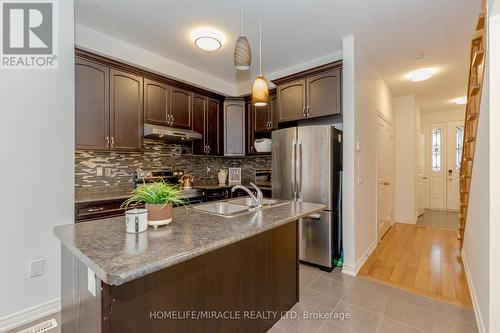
193	195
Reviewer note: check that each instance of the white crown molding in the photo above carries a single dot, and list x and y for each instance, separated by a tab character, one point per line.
30	314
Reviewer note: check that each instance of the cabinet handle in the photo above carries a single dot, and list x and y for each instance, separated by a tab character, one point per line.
172	116
304	111
251	149
93	210
112	142
107	141
208	149
308	111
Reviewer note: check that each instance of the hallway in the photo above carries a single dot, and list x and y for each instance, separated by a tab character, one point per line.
421	259
439	219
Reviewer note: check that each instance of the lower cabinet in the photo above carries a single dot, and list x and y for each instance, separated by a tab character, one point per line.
99	210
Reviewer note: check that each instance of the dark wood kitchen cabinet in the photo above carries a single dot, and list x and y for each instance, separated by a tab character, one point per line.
207	122
264	117
292	100
126	111
108	107
310	94
91	105
323	94
180	108
156	102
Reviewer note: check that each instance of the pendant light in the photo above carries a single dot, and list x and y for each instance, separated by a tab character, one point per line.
242	51
260	90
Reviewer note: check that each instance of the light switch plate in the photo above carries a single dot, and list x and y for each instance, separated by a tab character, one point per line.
358	146
37	267
91	281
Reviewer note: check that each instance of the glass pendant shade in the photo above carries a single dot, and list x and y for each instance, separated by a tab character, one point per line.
260	91
242	54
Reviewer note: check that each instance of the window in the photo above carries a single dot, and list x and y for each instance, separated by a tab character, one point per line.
459	133
436	149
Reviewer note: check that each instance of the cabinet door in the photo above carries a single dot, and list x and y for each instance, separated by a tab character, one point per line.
199	111
274	112
156	102
323	94
126	110
292	100
234	127
250	133
262	116
91	105
213	129
180	108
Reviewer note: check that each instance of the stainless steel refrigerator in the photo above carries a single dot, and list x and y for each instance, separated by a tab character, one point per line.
307	166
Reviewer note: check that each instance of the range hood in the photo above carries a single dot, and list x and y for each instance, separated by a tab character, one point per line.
169	134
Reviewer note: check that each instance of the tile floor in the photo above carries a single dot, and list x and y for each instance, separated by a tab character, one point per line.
373	307
439	219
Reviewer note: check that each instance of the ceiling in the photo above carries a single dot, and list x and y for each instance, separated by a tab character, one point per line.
393	32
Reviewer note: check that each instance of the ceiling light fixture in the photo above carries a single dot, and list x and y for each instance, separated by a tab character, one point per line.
260	90
242	51
461	100
421	75
207	39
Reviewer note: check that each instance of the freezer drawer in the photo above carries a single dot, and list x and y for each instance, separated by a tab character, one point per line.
316	237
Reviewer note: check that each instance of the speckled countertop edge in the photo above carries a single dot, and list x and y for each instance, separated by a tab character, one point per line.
118	278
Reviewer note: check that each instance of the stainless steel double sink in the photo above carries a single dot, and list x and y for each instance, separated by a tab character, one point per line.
234	207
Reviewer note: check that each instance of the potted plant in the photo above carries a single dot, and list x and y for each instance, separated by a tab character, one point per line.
159	198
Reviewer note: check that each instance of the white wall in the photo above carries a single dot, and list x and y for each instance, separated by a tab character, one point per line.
364	94
406	120
37	145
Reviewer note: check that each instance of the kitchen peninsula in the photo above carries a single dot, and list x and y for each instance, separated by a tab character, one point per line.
118	282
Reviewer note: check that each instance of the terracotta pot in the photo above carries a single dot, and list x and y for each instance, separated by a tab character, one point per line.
159	214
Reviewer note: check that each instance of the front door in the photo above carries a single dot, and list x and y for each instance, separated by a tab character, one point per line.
437	167
385	162
455	136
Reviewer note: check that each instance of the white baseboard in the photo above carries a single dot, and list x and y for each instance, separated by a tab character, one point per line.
30	314
353	270
405	220
475	304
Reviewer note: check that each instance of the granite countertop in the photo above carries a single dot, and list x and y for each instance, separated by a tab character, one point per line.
117	257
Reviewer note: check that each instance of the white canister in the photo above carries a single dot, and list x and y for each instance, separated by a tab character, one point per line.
136	220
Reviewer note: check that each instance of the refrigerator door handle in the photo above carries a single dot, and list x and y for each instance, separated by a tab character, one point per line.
299	170
292	182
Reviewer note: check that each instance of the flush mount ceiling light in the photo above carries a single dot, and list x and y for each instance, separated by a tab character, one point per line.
242	51
260	90
421	75
461	100
207	39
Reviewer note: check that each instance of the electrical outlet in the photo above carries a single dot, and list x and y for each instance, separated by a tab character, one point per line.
107	172
37	267
208	169
98	171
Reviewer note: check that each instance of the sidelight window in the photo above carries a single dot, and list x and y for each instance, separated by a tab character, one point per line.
436	149
459	133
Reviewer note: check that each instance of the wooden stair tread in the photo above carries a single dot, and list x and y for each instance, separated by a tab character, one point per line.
478	57
474	89
480	22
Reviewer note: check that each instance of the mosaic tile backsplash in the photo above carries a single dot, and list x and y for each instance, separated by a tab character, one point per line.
158	155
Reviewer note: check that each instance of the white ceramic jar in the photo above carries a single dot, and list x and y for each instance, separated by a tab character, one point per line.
136	220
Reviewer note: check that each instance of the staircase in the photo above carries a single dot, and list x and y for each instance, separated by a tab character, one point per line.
476	74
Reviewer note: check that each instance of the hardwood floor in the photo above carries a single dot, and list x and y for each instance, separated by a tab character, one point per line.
421	259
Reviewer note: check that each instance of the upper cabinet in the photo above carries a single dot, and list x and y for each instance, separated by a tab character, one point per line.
91	105
292	100
206	121
310	94
156	102
323	94
126	111
180	108
108	108
234	127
